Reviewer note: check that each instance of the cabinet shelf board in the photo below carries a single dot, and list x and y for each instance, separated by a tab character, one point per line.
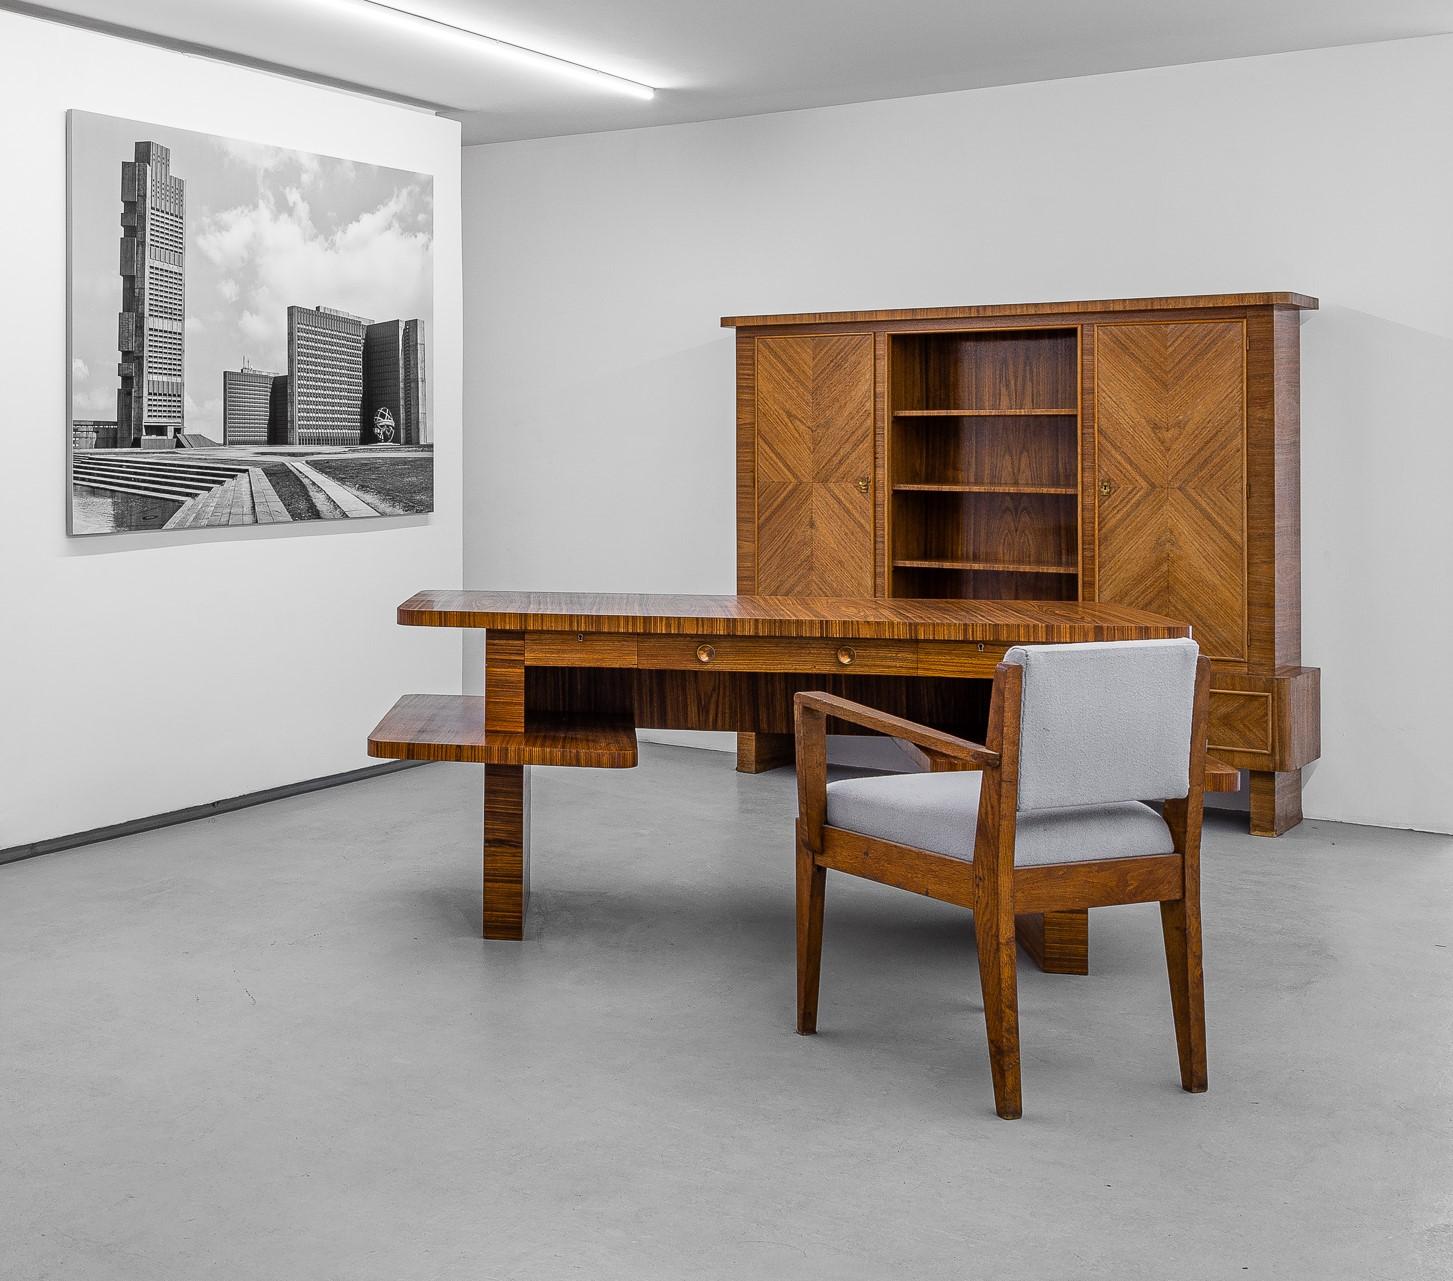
915	487
986	413
1006	567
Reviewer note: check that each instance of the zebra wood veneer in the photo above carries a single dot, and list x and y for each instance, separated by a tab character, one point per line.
1137	451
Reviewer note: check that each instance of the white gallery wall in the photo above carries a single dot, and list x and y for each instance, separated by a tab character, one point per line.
143	673
599	389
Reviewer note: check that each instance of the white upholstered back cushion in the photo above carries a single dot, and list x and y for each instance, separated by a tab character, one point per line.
1105	722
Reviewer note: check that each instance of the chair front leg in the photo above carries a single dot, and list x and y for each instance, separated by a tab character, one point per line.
1180	921
999	978
1180	918
811	896
994	892
811	742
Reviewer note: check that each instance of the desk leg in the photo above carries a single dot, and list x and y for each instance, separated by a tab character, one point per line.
506	850
1057	942
757	753
506	792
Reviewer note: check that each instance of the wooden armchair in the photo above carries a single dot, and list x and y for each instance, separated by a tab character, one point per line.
1049	816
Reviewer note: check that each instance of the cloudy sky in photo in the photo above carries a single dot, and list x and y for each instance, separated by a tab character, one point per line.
267	228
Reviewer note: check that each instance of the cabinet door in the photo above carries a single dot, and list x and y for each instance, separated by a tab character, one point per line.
814	460
1170	428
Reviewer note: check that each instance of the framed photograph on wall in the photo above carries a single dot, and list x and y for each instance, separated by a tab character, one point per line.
249	330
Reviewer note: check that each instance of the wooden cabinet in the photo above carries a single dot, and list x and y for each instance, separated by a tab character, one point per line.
1136	451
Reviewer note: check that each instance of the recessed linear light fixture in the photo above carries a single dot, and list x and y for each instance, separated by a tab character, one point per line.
503	48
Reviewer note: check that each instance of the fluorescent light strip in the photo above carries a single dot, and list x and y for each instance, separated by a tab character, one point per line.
519	53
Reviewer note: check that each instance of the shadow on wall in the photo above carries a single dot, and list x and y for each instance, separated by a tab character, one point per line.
1377	526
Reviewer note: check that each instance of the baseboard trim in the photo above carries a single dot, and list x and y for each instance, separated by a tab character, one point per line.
193	812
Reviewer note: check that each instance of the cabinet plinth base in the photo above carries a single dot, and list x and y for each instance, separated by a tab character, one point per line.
1276	801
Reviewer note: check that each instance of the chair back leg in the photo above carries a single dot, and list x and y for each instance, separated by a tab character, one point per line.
811	888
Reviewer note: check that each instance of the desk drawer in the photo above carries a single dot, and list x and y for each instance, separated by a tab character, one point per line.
771	654
579	649
959	658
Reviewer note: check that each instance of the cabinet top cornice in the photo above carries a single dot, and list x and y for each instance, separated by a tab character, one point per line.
1194	302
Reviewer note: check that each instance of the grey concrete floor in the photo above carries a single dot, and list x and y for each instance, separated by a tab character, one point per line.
271	1045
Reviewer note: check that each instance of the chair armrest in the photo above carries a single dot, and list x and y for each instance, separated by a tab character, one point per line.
959	750
932	762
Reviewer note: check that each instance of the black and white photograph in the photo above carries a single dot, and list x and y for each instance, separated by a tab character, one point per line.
249	332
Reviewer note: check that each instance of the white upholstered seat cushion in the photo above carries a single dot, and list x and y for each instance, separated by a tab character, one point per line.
940	812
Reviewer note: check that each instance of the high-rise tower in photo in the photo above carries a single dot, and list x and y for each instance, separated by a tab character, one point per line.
254	407
151	401
416	387
383	383
325	376
394	394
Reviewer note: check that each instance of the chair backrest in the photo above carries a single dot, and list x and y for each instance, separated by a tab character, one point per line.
1104	722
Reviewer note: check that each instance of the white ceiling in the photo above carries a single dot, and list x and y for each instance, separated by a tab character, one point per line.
712	59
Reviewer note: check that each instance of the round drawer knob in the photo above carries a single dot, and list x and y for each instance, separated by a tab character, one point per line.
705	653
846	654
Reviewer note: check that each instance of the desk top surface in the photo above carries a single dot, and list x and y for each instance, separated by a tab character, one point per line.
1001	621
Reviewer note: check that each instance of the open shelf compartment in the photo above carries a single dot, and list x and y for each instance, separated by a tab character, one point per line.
982	371
984	462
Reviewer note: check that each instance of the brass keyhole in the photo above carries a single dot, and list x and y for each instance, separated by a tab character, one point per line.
705	653
1107	487
846	654
862	484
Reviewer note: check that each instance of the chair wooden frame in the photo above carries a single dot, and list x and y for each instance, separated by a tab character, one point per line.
991	885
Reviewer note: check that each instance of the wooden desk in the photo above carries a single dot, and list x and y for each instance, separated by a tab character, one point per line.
570	677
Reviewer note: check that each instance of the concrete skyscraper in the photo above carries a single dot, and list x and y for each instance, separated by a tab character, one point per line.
351	381
151	330
383	403
394	394
325	376
253	412
416	389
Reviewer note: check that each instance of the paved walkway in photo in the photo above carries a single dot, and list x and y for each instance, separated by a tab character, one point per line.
349	502
267	506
